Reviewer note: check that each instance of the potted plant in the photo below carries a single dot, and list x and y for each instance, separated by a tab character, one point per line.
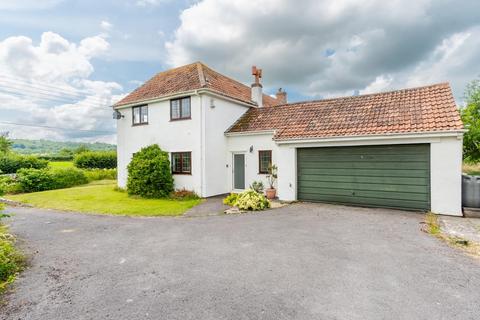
271	178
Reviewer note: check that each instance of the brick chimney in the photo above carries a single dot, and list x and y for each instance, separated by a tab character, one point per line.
257	94
281	96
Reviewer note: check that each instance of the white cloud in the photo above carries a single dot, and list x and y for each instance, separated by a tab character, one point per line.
105	25
48	84
371	45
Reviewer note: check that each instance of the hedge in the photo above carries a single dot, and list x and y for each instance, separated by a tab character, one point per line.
96	160
33	180
12	162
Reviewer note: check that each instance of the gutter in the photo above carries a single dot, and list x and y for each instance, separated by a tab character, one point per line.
437	134
250	133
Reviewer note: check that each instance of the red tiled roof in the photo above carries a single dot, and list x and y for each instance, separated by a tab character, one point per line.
424	109
192	77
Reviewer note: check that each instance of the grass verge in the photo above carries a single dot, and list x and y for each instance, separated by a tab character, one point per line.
102	197
11	260
432	226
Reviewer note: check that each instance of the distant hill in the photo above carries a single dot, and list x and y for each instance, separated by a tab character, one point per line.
47	147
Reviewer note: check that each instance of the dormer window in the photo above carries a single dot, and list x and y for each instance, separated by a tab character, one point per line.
180	109
139	115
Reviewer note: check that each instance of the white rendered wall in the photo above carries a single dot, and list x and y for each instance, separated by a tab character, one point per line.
446	176
241	144
217	120
171	136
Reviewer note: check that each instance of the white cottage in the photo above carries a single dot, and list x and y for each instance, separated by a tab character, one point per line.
399	149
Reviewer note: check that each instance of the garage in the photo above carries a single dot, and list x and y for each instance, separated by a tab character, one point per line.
391	176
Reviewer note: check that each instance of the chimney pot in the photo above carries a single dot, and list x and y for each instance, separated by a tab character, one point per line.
281	96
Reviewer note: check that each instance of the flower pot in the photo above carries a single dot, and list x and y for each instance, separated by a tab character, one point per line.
271	193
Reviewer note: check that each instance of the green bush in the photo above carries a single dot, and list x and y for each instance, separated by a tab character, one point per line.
149	173
96	160
252	200
100	174
11	261
69	177
33	180
257	186
8	185
12	162
231	199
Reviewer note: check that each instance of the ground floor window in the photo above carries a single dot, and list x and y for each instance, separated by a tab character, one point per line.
181	162
264	161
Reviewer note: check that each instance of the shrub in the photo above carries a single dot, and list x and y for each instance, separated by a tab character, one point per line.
100	174
257	186
231	199
12	162
184	194
56	157
8	185
11	261
66	178
96	160
33	180
149	173
251	200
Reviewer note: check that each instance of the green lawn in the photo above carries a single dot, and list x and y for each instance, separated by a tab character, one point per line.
60	164
101	197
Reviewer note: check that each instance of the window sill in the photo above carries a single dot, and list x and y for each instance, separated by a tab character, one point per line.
139	124
180	119
181	174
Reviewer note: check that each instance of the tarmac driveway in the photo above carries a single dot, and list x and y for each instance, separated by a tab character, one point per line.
304	261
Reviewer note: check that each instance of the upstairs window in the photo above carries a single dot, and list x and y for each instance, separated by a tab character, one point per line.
264	161
181	162
180	109
140	115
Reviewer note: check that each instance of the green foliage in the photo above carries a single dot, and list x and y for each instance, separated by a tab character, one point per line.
184	194
231	199
69	177
272	175
100	174
33	180
96	160
8	185
257	186
251	200
5	144
46	147
11	162
149	173
11	261
471	118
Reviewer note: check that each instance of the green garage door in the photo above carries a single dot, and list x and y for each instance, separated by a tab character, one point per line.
393	176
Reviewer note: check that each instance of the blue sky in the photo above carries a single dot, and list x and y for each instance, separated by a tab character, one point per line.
63	62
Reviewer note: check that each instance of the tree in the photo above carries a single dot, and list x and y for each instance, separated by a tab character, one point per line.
5	143
471	118
80	149
149	173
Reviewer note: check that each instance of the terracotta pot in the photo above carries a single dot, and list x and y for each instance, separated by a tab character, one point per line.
271	193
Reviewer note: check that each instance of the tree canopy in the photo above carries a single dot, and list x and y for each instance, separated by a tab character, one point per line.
471	118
